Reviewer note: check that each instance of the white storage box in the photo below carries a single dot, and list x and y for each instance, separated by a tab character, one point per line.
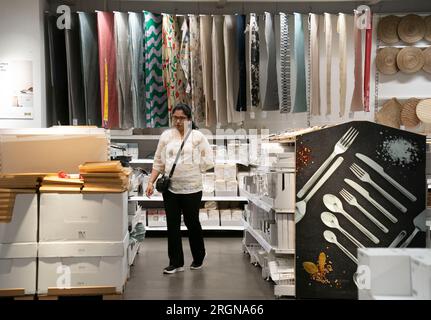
18	267
230	172
219	172
220	186
389	271
226	215
421	276
23	227
203	215
77	217
89	264
210	223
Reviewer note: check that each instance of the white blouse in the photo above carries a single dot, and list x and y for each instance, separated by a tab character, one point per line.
196	158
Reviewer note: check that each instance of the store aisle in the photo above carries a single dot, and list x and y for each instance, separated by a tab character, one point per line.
228	274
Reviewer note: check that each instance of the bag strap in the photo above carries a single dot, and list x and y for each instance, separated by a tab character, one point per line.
179	153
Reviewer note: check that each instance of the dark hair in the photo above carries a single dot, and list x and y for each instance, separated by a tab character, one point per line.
187	111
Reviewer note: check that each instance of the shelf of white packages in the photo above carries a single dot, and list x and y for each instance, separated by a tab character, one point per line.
157	137
151	161
205	228
265	245
205	199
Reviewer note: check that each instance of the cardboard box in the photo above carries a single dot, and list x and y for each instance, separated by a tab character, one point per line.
421	276
51	150
89	264
23	227
18	267
226	215
77	217
389	271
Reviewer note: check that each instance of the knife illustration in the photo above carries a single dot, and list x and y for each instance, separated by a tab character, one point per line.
379	169
366	195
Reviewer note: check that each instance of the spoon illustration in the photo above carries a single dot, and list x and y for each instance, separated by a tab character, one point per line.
301	206
331	221
334	205
330	237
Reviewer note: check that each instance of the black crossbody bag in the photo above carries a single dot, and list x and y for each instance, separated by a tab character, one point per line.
163	183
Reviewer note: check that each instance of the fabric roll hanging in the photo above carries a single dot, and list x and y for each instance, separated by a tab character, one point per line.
206	24
301	85
367	72
254	60
328	57
77	114
247	60
219	70
198	99
156	99
185	55
108	70
357	103
232	68
240	40
342	32
124	71
270	92
91	77
173	75
285	99
136	33
58	113
314	65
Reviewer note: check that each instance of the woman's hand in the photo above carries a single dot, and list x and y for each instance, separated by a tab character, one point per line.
150	190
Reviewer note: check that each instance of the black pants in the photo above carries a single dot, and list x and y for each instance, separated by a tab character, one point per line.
187	205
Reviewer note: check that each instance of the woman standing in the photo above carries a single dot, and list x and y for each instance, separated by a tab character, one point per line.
185	192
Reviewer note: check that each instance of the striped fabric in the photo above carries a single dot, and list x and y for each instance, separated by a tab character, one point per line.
156	99
108	70
136	32
286	99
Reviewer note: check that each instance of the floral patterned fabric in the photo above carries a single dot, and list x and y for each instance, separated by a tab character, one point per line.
173	75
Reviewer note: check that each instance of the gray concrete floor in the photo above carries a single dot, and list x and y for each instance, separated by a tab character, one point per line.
227	274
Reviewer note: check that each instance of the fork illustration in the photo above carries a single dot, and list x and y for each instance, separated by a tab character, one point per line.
350	199
342	145
365	177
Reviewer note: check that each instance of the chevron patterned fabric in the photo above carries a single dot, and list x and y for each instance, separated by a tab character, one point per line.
156	100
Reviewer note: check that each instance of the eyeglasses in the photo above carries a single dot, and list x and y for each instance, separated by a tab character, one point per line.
182	119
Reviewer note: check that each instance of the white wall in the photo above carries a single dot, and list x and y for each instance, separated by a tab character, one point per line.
21	38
